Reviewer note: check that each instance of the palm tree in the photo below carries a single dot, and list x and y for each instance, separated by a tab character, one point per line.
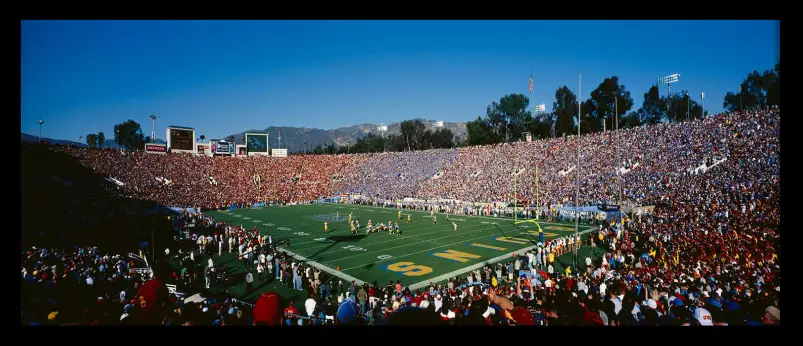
203	138
91	140
101	139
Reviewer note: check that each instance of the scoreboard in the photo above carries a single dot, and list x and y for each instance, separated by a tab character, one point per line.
181	139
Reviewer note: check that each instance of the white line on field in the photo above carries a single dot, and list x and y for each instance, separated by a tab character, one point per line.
413	236
472	267
324	268
412	253
410	244
463	215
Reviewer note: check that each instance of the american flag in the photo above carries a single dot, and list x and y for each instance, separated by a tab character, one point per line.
531	84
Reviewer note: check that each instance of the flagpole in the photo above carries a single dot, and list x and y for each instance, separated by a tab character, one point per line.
515	166
537	191
577	193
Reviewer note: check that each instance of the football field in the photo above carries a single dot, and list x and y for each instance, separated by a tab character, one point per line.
423	252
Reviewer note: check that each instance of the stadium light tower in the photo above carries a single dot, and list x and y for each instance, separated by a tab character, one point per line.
40	130
702	97
153	127
382	129
668	80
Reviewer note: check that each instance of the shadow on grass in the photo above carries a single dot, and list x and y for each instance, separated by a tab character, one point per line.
369	266
337	239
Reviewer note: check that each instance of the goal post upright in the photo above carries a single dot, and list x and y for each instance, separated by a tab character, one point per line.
515	196
537	192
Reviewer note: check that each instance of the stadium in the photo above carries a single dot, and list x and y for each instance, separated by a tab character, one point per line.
666	223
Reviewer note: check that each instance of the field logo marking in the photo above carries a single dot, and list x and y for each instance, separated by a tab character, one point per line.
327	217
353	248
409	268
456	256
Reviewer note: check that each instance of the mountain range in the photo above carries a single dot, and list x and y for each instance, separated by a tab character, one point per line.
109	143
298	139
293	138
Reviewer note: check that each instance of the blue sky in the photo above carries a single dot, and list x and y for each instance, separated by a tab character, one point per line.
224	77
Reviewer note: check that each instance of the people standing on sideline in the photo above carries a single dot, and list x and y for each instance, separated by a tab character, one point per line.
249	281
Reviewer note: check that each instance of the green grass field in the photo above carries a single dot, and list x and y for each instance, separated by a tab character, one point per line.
423	253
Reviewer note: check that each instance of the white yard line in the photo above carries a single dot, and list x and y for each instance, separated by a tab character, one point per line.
417	234
410	244
463	215
412	253
473	267
390	240
324	268
342	275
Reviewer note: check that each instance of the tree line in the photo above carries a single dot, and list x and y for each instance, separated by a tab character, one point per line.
128	135
509	119
413	135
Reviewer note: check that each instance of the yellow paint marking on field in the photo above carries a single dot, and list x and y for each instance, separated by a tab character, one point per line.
456	255
489	247
409	268
513	240
535	233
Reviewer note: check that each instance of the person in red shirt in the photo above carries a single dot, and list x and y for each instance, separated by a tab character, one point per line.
150	301
418	298
152	295
290	312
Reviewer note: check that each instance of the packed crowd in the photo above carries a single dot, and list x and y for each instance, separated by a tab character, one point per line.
708	254
650	159
211	182
397	175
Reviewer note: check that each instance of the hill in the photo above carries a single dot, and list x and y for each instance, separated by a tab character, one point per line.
293	138
109	143
34	139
